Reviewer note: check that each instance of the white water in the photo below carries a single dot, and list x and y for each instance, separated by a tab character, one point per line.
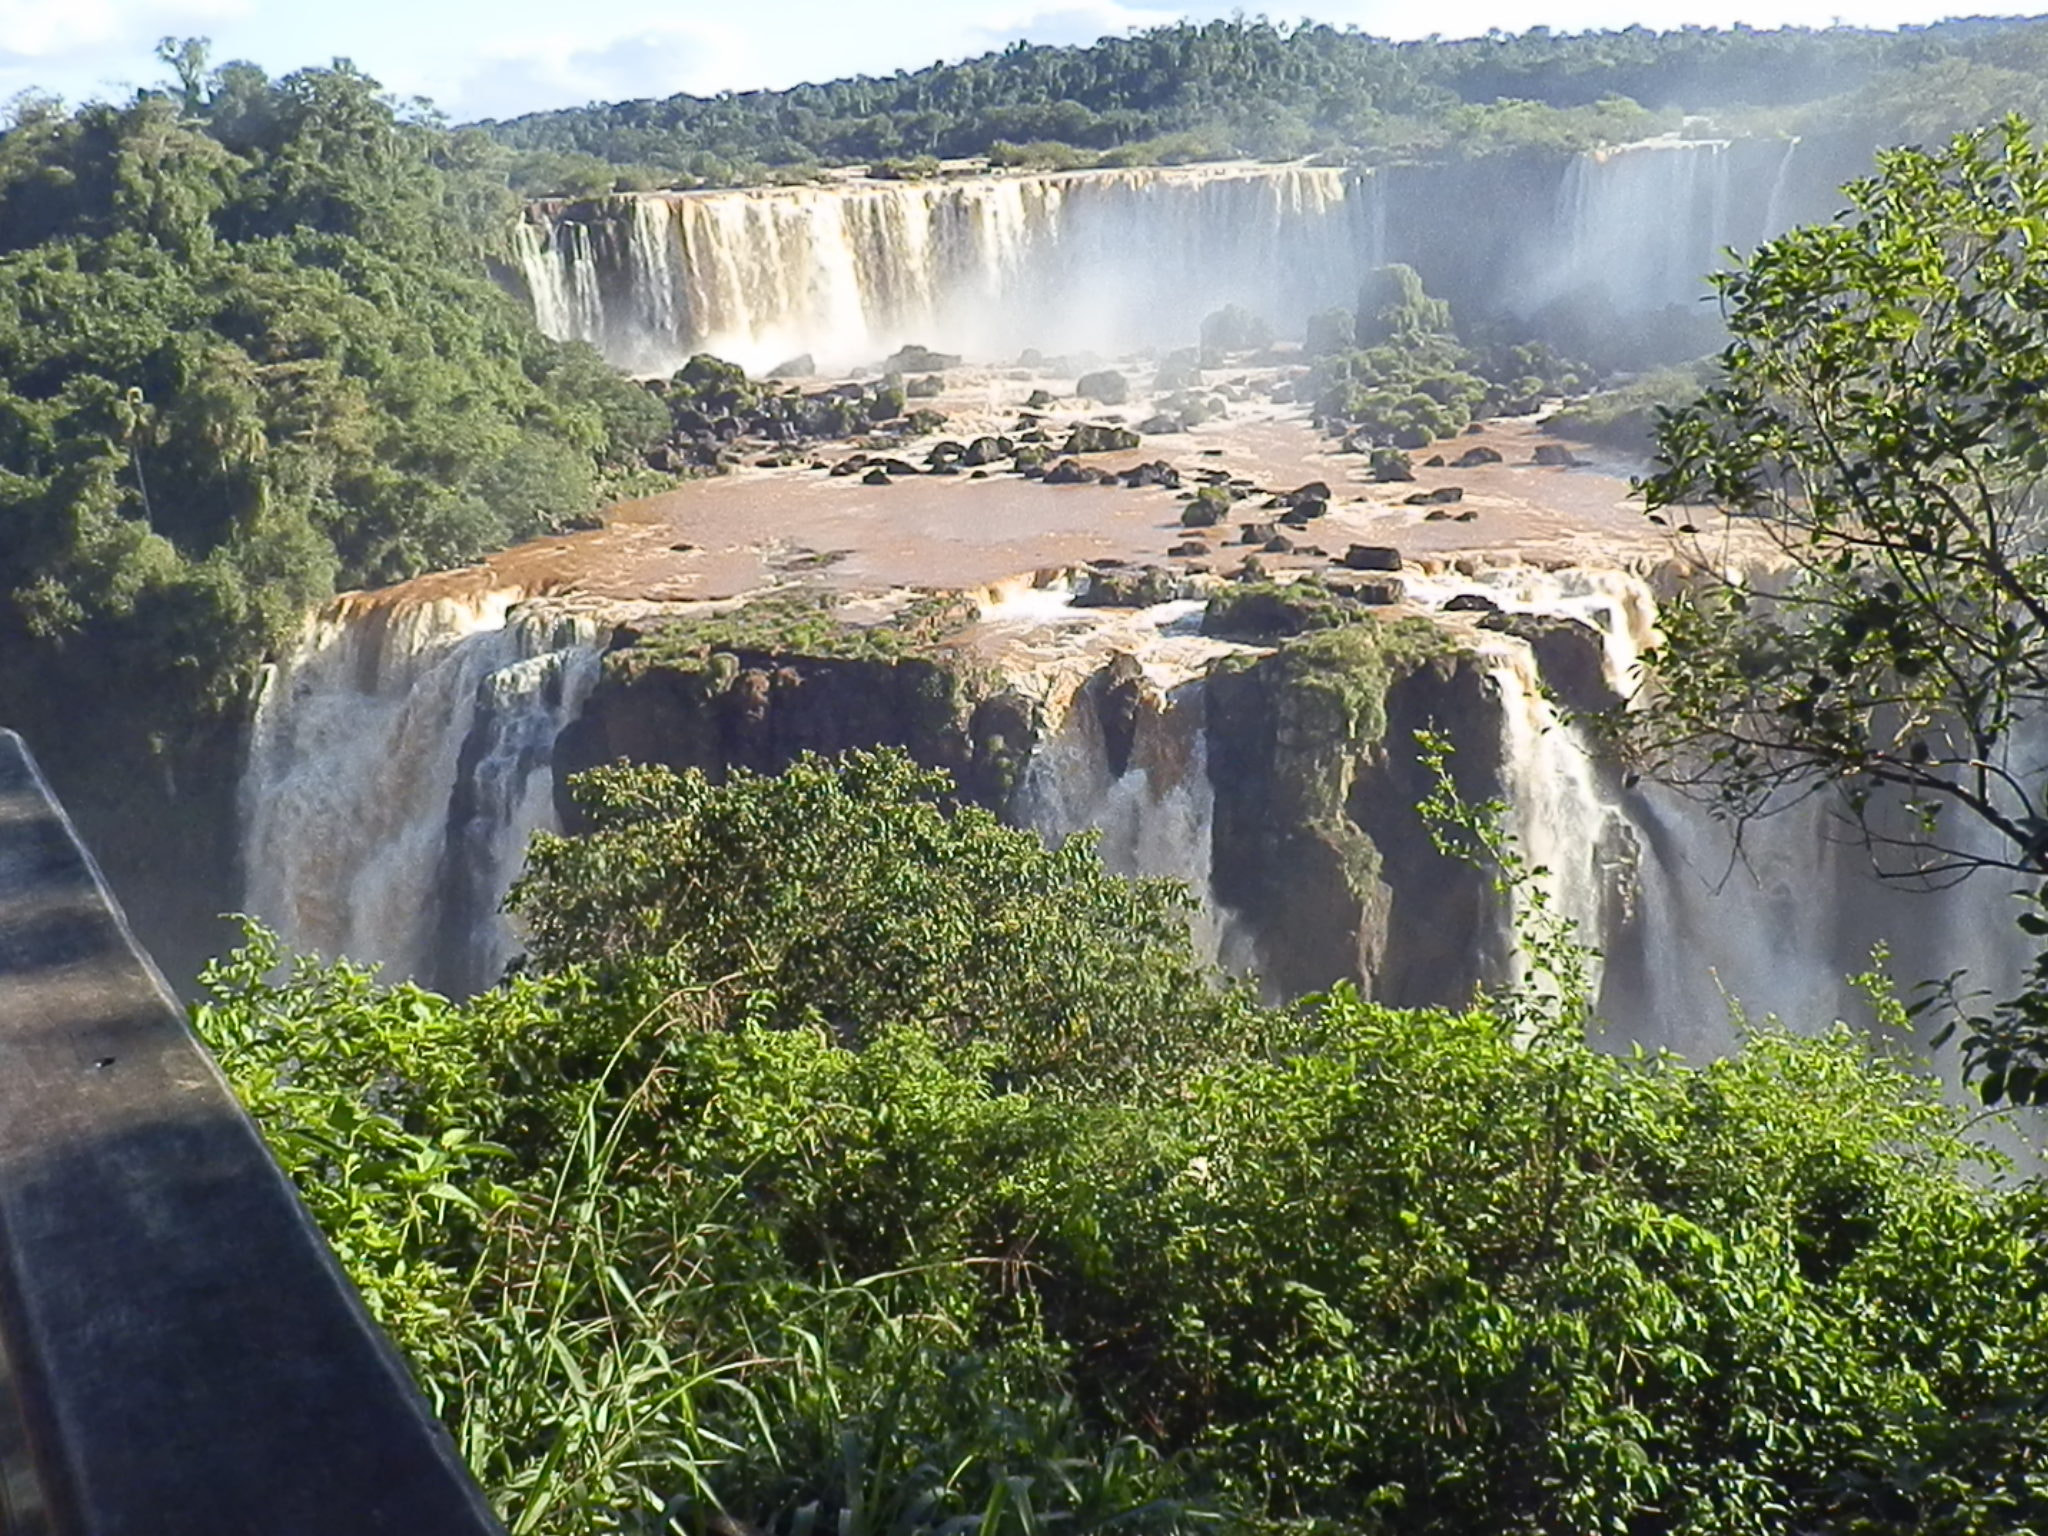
1104	260
1156	819
1691	928
402	758
1101	261
355	759
1643	224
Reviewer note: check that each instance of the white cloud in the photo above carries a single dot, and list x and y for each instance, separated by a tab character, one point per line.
40	30
95	47
553	70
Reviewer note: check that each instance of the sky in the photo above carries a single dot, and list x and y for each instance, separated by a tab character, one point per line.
498	58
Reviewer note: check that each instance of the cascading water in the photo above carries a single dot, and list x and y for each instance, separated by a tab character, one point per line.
399	760
989	265
1643	224
1689	926
1155	818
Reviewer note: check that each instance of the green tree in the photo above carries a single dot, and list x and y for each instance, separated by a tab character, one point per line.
1878	435
847	894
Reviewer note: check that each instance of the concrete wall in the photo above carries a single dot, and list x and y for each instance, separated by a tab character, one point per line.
179	1351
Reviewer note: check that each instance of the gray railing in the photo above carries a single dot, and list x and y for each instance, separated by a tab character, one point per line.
180	1355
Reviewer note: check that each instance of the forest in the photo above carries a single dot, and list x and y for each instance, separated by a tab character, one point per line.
845	1162
250	354
1254	88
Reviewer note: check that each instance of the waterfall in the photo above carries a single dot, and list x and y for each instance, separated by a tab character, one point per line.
1643	224
399	761
1580	848
1155	818
988	265
1687	925
1776	217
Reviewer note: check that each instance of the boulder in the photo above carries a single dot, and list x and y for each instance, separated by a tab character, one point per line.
1472	458
1555	454
851	465
946	452
1372	557
1157	473
1442	496
1279	544
1380	592
1093	437
1154	426
1471	602
1129	587
1390	465
1570	655
1434	461
916	359
876	476
1106	387
802	366
1069	472
1040	400
1188	547
1256	533
986	450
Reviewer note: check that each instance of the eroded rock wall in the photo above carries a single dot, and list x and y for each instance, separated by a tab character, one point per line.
1321	849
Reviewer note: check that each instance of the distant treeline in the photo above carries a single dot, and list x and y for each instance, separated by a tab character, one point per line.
1225	88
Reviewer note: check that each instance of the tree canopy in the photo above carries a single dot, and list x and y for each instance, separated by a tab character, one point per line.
1878	425
748	1208
1251	87
249	351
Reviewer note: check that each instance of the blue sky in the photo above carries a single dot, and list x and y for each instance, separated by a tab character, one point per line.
501	57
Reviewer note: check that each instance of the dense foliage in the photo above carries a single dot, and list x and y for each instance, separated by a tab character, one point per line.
717	1222
1201	91
1393	373
1879	427
248	351
845	897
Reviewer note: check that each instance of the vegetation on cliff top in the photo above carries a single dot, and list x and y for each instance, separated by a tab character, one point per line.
814	1178
1211	90
802	621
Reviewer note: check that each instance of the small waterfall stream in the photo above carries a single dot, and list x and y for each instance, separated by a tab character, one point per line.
1156	818
399	761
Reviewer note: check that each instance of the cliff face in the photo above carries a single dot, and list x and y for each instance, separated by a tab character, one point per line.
1319	846
759	711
